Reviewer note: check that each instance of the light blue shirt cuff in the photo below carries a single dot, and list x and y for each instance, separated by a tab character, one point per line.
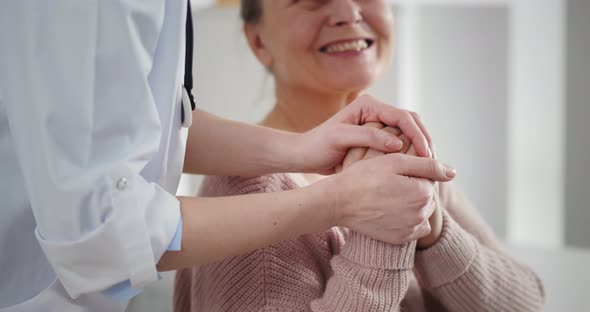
176	243
124	291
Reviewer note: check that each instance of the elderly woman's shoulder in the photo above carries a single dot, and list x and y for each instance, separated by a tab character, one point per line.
214	186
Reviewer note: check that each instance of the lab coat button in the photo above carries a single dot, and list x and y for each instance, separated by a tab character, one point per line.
122	184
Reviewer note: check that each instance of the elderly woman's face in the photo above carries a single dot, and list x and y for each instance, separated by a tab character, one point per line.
333	45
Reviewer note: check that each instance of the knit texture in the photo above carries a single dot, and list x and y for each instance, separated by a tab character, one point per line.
342	270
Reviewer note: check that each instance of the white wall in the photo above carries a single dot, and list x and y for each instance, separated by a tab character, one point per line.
537	122
460	89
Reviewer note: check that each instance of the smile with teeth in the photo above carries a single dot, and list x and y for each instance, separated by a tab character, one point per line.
356	45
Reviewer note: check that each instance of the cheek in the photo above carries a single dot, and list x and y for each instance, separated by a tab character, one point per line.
295	49
386	52
380	19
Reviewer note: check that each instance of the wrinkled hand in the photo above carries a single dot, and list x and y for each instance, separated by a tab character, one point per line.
388	197
434	223
322	149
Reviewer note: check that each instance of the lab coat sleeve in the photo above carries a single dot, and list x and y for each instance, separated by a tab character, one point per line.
85	124
124	291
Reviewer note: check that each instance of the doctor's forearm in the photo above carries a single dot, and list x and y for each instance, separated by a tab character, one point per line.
223	227
217	146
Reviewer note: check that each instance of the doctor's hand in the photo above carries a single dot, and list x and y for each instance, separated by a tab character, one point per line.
435	221
323	148
389	197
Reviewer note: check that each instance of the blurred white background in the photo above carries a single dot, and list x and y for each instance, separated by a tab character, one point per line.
503	86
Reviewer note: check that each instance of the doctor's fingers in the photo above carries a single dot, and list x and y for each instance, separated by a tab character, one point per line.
367	108
407	147
419	167
360	153
352	136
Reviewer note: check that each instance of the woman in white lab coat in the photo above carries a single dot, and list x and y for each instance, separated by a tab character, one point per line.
91	153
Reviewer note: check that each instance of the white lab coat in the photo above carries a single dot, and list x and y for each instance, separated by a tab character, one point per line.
91	149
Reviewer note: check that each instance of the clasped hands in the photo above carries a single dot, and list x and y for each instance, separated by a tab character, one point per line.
390	194
432	227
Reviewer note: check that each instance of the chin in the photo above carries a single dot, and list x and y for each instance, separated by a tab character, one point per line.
353	82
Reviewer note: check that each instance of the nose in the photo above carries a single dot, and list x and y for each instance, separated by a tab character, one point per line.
345	12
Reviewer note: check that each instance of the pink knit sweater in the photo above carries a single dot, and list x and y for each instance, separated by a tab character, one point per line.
341	270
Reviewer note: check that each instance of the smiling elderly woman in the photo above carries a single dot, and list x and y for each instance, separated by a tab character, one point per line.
323	54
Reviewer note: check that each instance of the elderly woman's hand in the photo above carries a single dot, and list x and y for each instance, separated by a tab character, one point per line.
360	153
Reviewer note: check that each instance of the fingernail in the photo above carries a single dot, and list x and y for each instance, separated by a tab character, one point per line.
450	171
394	144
